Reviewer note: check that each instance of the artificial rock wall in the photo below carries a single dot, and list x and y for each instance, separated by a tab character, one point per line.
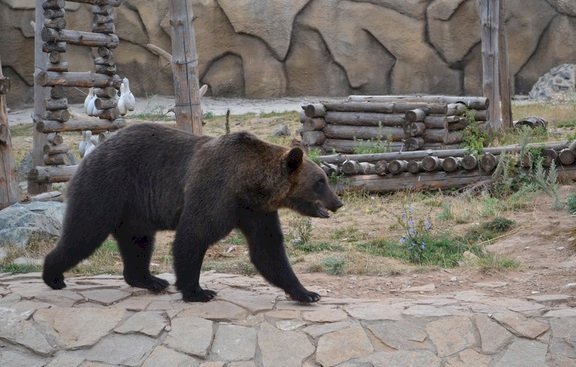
274	48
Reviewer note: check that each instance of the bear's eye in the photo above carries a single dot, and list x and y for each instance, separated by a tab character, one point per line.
318	185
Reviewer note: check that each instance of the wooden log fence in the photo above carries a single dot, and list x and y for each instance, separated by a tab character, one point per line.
408	122
440	169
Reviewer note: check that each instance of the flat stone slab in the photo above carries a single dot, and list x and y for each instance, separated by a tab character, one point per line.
101	322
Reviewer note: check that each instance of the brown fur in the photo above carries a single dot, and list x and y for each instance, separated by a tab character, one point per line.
149	178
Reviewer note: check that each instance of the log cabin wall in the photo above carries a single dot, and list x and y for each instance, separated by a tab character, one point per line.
396	123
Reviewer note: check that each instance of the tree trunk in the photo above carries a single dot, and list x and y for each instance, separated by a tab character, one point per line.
9	192
185	67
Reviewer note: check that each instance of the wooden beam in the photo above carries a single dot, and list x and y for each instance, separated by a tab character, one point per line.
9	191
77	79
185	67
94	125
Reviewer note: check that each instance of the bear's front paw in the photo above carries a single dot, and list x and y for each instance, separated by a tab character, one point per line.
54	281
304	296
198	295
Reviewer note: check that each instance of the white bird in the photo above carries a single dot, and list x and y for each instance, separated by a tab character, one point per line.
121	104
90	104
85	138
129	99
87	100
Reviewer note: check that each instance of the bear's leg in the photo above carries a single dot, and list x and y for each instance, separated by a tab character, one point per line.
77	243
266	244
136	251
193	237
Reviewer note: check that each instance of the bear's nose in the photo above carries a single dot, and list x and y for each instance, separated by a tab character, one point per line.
337	205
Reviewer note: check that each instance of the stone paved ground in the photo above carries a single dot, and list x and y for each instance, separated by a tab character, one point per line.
100	321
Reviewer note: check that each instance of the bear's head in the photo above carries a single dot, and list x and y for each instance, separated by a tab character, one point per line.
310	194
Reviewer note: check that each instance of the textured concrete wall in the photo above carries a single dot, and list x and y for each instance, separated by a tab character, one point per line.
273	48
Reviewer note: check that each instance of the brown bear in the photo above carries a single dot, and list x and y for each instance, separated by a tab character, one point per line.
149	177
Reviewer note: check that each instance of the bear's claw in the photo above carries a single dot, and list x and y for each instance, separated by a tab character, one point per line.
198	295
305	296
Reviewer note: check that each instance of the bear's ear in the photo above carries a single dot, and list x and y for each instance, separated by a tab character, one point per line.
293	159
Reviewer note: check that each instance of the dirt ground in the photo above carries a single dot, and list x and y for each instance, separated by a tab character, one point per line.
543	241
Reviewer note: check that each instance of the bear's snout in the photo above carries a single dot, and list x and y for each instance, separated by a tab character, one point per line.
335	205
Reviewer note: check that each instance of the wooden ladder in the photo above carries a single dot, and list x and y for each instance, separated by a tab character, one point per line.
52	77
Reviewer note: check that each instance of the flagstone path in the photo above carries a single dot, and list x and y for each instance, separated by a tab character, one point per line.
100	321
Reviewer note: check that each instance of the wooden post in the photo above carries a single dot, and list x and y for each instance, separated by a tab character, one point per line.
9	193
40	95
504	65
185	67
496	77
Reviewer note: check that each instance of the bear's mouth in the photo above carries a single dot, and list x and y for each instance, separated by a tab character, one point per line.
321	211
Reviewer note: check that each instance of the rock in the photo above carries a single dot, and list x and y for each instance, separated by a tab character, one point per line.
190	335
283	348
468	358
128	350
105	297
234	343
560	80
19	359
150	323
282	130
65	360
375	311
328	315
401	334
524	353
21	223
521	325
403	358
162	356
492	336
551	299
263	49
17	329
74	328
342	345
451	335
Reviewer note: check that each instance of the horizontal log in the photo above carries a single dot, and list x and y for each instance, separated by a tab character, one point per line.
397	166
58	115
311	138
77	79
330	169
412	129
416	114
59	67
364	132
55	23
114	3
54	47
57	92
455	109
414	166
357	168
52	174
515	148
57	159
451	164
54	138
549	157
381	168
93	125
54	13
314	110
567	156
479	103
469	162
312	123
413	143
487	162
439	180
348	146
108	92
79	38
110	114
55	149
105	103
53	4
434	135
432	163
56	104
364	119
105	28
359	107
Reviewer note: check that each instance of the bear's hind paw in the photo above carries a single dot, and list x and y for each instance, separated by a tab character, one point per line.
151	283
199	295
305	297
